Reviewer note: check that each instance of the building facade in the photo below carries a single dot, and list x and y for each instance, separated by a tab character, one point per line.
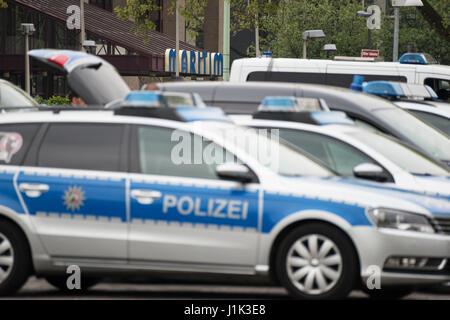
137	58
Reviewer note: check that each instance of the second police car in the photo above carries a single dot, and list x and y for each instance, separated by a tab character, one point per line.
351	151
135	189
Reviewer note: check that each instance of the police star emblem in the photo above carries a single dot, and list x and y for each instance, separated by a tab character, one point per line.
74	198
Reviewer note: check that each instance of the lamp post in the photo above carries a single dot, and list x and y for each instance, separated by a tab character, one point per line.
82	27
328	48
27	30
311	35
397	4
89	46
366	15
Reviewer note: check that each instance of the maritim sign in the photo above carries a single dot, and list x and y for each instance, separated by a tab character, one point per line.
195	62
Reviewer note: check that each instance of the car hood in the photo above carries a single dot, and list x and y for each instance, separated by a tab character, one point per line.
361	193
435	186
93	79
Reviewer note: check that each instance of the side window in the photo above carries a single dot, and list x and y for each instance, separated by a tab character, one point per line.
440	86
183	157
15	139
338	155
345	79
300	77
82	146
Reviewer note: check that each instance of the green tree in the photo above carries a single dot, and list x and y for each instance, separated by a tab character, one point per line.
336	18
3	4
415	30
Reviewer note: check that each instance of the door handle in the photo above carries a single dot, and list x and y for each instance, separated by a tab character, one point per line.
145	196
33	190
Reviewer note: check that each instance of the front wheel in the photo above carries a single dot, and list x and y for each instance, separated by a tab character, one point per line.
317	261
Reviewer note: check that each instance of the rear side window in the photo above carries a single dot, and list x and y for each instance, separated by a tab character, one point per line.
82	146
15	139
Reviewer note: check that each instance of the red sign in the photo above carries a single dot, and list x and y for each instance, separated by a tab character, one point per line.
367	53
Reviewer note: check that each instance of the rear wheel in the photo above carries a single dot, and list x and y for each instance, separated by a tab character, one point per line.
316	261
15	260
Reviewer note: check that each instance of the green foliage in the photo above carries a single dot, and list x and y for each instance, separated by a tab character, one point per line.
337	19
281	23
415	30
53	101
3	4
139	11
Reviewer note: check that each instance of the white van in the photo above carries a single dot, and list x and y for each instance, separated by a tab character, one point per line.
412	68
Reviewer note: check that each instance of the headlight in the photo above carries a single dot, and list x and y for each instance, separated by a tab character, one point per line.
393	219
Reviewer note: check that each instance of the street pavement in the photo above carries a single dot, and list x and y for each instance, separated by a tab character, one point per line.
40	289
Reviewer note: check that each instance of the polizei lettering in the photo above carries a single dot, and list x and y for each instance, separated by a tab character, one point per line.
211	207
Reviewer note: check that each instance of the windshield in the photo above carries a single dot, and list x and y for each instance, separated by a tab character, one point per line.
269	150
11	96
403	156
425	137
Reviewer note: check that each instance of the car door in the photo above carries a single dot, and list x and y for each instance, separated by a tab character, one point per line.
74	191
182	213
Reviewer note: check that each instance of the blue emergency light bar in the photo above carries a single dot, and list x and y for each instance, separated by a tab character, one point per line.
417	58
391	89
191	114
145	98
331	117
278	104
384	88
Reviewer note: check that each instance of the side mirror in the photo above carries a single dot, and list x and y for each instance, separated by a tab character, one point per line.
234	172
370	171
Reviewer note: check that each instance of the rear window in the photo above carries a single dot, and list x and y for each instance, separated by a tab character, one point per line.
15	139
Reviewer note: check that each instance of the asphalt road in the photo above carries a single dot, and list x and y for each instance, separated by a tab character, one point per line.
40	289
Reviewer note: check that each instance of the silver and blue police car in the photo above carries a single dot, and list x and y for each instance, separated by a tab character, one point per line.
350	150
140	190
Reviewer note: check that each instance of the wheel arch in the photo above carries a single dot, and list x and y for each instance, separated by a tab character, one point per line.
11	217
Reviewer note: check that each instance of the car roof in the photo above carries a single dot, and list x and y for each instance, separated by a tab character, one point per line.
216	92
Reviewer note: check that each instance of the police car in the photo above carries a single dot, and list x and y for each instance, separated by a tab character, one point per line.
352	151
138	190
420	100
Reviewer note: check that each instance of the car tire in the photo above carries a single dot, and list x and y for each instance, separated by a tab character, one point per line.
317	261
15	259
389	293
60	282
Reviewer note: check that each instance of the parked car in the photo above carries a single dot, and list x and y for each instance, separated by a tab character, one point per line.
352	151
366	110
420	100
111	192
12	97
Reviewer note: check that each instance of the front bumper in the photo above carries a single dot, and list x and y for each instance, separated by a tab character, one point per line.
376	246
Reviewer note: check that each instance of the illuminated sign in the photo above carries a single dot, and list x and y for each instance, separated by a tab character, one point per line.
195	62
